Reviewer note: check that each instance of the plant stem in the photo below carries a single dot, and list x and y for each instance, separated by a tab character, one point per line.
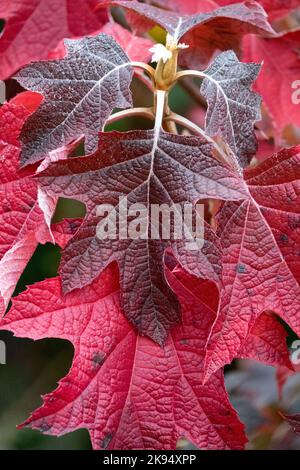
170	126
160	108
126	113
184	122
147	68
190	73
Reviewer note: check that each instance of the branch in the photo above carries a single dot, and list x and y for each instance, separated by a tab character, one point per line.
195	73
147	68
132	112
184	122
191	73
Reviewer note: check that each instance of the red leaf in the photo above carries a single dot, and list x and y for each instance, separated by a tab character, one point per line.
261	266
22	224
126	390
136	167
188	7
64	231
276	9
34	28
136	48
266	341
203	32
281	69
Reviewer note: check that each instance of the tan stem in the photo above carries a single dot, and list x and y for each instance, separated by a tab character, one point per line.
170	126
190	73
187	124
147	68
127	113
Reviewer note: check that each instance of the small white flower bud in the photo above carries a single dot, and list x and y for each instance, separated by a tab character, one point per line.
160	52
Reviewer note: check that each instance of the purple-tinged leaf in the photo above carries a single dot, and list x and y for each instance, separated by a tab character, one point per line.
80	93
141	168
221	29
232	107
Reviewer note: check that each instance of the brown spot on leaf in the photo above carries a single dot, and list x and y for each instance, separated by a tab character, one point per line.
105	442
45	427
241	269
74	226
283	238
98	359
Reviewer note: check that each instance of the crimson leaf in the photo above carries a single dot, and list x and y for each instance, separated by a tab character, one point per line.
276	83
122	387
34	28
261	268
266	341
22	224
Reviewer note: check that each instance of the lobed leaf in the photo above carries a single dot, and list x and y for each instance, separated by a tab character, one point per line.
80	92
221	29
141	168
233	108
261	271
126	390
279	75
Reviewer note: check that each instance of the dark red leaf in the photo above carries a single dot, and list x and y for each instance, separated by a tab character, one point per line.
276	9
233	108
205	33
80	92
144	170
